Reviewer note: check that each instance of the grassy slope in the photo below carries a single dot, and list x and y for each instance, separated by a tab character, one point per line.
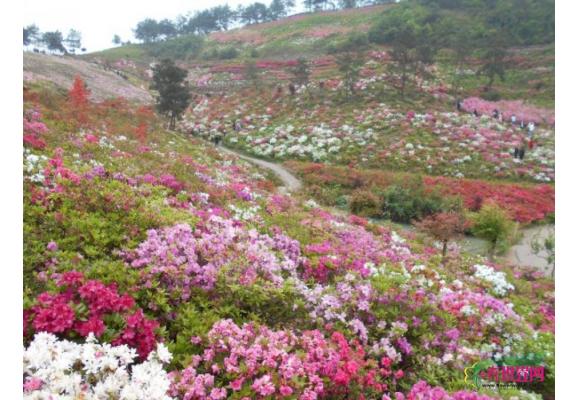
61	71
530	77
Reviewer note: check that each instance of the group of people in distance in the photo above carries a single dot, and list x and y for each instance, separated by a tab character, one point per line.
525	140
218	137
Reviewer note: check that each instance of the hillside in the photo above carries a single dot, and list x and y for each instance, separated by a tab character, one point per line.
219	61
319	248
61	71
147	236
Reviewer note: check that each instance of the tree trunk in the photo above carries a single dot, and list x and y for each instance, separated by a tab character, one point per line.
492	249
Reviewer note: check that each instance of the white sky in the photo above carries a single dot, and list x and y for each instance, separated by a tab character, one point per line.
99	20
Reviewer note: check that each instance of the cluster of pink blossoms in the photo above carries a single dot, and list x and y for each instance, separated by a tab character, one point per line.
83	306
352	248
34	129
522	111
261	362
422	391
181	258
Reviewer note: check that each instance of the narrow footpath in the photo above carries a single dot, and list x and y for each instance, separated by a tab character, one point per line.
291	183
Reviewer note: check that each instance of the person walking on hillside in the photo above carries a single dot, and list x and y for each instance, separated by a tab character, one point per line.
513	119
458	104
475	113
531	128
496	113
522	151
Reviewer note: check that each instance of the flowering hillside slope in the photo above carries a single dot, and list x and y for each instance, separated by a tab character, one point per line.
373	134
159	267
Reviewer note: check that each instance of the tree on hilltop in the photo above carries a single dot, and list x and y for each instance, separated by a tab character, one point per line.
410	33
254	13
349	56
224	16
147	30
494	57
53	41
166	29
278	9
349	3
30	34
73	41
173	94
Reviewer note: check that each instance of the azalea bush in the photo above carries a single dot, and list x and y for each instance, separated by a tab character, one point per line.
277	363
365	203
80	307
90	370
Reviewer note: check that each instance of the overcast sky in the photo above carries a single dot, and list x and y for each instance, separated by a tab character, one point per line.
99	20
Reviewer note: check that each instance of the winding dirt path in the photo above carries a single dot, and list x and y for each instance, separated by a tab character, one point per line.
520	254
291	183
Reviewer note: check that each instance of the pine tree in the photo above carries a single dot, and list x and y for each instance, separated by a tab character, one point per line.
174	96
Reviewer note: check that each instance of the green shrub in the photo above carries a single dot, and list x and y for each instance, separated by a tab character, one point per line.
491	95
402	204
180	48
365	203
493	224
342	202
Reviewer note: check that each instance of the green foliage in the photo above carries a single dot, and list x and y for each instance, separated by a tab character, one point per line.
542	347
493	224
349	56
301	72
410	32
180	48
494	57
174	96
147	30
491	95
226	53
259	302
405	204
251	73
53	41
30	34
